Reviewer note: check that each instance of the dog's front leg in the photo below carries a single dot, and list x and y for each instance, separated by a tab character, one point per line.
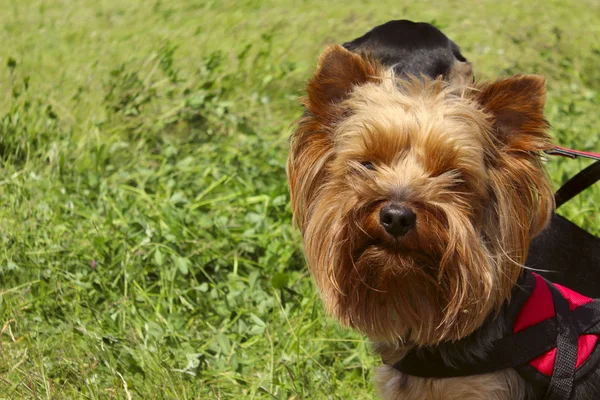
504	385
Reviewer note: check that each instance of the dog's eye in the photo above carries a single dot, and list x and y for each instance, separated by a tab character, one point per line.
368	165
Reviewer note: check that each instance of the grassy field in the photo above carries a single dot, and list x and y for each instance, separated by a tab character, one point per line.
146	248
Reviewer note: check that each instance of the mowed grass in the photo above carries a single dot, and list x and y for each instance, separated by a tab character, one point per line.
147	249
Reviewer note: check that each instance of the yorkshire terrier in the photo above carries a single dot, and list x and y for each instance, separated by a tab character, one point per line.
563	252
417	199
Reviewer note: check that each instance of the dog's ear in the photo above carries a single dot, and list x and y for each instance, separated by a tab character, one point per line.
517	107
523	195
338	72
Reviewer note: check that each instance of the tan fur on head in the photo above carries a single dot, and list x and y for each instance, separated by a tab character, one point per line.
467	161
337	73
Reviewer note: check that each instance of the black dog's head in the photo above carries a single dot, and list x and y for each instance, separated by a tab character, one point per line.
414	48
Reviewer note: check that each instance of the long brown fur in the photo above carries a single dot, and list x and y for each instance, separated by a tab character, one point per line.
465	159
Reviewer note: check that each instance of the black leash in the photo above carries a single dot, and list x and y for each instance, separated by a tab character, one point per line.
583	180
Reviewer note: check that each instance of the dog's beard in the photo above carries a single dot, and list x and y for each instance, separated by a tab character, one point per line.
437	283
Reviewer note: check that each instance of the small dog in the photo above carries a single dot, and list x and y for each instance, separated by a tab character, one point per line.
563	251
417	200
414	49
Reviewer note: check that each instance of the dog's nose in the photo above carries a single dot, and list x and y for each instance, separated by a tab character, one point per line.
397	220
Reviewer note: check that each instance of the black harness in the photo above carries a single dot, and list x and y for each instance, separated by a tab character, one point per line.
518	349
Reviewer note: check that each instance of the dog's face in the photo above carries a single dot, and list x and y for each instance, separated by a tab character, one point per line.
414	48
416	199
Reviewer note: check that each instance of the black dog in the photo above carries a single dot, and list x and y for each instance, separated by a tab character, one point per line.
568	255
565	253
414	48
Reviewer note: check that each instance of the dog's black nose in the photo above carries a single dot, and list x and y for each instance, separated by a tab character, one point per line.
397	220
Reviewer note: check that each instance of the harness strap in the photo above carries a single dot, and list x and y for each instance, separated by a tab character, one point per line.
507	352
563	374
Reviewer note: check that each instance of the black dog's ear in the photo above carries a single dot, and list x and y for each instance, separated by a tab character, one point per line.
338	72
414	49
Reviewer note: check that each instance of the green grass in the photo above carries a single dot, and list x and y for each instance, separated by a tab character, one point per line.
146	248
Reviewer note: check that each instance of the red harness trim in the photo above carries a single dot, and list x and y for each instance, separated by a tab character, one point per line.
539	307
